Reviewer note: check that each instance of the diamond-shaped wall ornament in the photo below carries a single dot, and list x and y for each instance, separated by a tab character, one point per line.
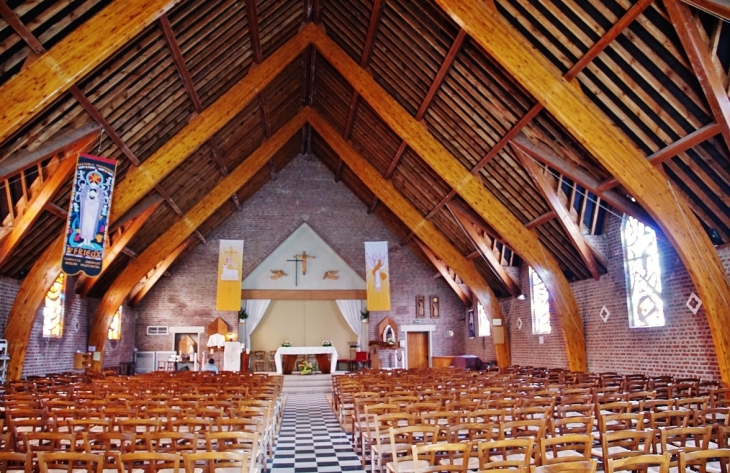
694	303
604	314
519	323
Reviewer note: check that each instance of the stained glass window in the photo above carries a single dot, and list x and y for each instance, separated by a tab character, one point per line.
643	274
484	328
540	305
115	327
53	309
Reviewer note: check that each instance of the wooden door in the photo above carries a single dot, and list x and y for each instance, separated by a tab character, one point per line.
417	350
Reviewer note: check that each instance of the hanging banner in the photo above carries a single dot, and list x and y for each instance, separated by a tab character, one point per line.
88	214
377	275
230	270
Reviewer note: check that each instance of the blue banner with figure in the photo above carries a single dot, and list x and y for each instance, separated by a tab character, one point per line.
88	215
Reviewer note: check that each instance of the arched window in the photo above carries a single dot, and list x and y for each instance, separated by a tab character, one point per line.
115	327
53	309
643	274
540	302
485	328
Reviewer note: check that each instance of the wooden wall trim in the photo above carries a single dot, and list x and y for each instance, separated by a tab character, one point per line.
303	295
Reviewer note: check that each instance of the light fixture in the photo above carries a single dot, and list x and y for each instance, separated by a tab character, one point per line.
521	297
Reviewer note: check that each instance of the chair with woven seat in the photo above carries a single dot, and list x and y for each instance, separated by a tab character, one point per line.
565	448
509	453
151	462
583	466
272	361
239	442
440	457
16	462
712	460
216	462
401	441
639	463
259	361
70	461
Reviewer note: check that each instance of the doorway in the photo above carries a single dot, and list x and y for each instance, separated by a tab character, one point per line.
418	349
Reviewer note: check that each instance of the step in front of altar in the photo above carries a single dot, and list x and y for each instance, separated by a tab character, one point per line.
311	383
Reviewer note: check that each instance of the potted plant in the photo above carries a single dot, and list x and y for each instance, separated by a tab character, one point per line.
365	315
326	343
286	344
242	315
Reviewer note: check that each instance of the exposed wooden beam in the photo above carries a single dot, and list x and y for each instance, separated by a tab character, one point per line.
425	230
492	261
536	222
615	151
166	197
340	169
183	228
444	271
670	151
303	295
719	8
55	146
160	269
547	157
253	28
597	48
139	182
138	209
688	29
572	230
84	283
36	205
523	241
56	210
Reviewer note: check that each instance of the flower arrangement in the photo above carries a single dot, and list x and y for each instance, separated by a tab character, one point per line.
390	341
305	367
326	343
286	344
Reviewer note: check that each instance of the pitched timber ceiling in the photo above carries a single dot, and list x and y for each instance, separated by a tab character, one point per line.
484	127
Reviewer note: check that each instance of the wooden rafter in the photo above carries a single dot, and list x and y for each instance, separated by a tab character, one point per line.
36	204
119	242
719	8
711	81
183	228
187	80
432	152
443	270
142	289
425	230
537	221
670	151
572	230
483	246
139	182
614	150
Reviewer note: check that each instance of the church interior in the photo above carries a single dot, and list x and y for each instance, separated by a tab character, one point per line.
546	184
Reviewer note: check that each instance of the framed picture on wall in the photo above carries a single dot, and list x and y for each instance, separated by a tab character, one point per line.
434	307
420	306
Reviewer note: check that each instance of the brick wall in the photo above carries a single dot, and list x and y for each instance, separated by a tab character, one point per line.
44	356
682	348
304	191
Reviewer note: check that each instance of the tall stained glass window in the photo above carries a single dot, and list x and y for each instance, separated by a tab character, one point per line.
484	328
643	274
115	327
53	309
540	302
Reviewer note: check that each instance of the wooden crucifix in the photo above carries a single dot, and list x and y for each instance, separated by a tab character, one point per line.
304	257
296	262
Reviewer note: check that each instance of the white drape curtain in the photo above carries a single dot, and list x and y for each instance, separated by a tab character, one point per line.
256	308
350	309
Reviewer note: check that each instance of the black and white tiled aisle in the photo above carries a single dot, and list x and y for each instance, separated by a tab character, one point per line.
311	439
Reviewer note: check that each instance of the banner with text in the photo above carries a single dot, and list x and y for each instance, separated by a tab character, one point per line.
377	275
88	214
230	271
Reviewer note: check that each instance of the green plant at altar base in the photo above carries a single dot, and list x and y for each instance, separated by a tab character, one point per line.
286	344
305	367
327	343
365	315
242	314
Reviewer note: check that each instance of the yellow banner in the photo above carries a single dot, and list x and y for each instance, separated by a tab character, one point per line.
377	275
230	271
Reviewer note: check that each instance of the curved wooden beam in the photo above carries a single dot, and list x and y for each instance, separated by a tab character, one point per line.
443	269
615	151
425	230
141	180
136	294
53	73
183	228
523	241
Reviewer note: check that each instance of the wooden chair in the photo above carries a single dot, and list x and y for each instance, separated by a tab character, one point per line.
151	462
238	442
259	360
639	463
16	461
565	448
213	462
380	448
401	441
703	460
510	454
440	457
624	443
70	461
683	439
588	466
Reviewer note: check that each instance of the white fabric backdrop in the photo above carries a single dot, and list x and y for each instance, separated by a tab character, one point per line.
256	309
350	309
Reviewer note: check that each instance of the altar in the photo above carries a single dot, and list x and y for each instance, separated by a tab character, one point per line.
293	352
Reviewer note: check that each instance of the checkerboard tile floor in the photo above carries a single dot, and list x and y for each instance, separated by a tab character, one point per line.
311	439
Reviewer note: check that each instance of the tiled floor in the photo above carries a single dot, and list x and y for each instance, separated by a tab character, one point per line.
311	440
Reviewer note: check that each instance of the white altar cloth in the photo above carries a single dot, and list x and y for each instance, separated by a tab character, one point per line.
306	351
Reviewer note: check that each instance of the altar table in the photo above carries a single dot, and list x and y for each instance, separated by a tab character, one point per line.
305	351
